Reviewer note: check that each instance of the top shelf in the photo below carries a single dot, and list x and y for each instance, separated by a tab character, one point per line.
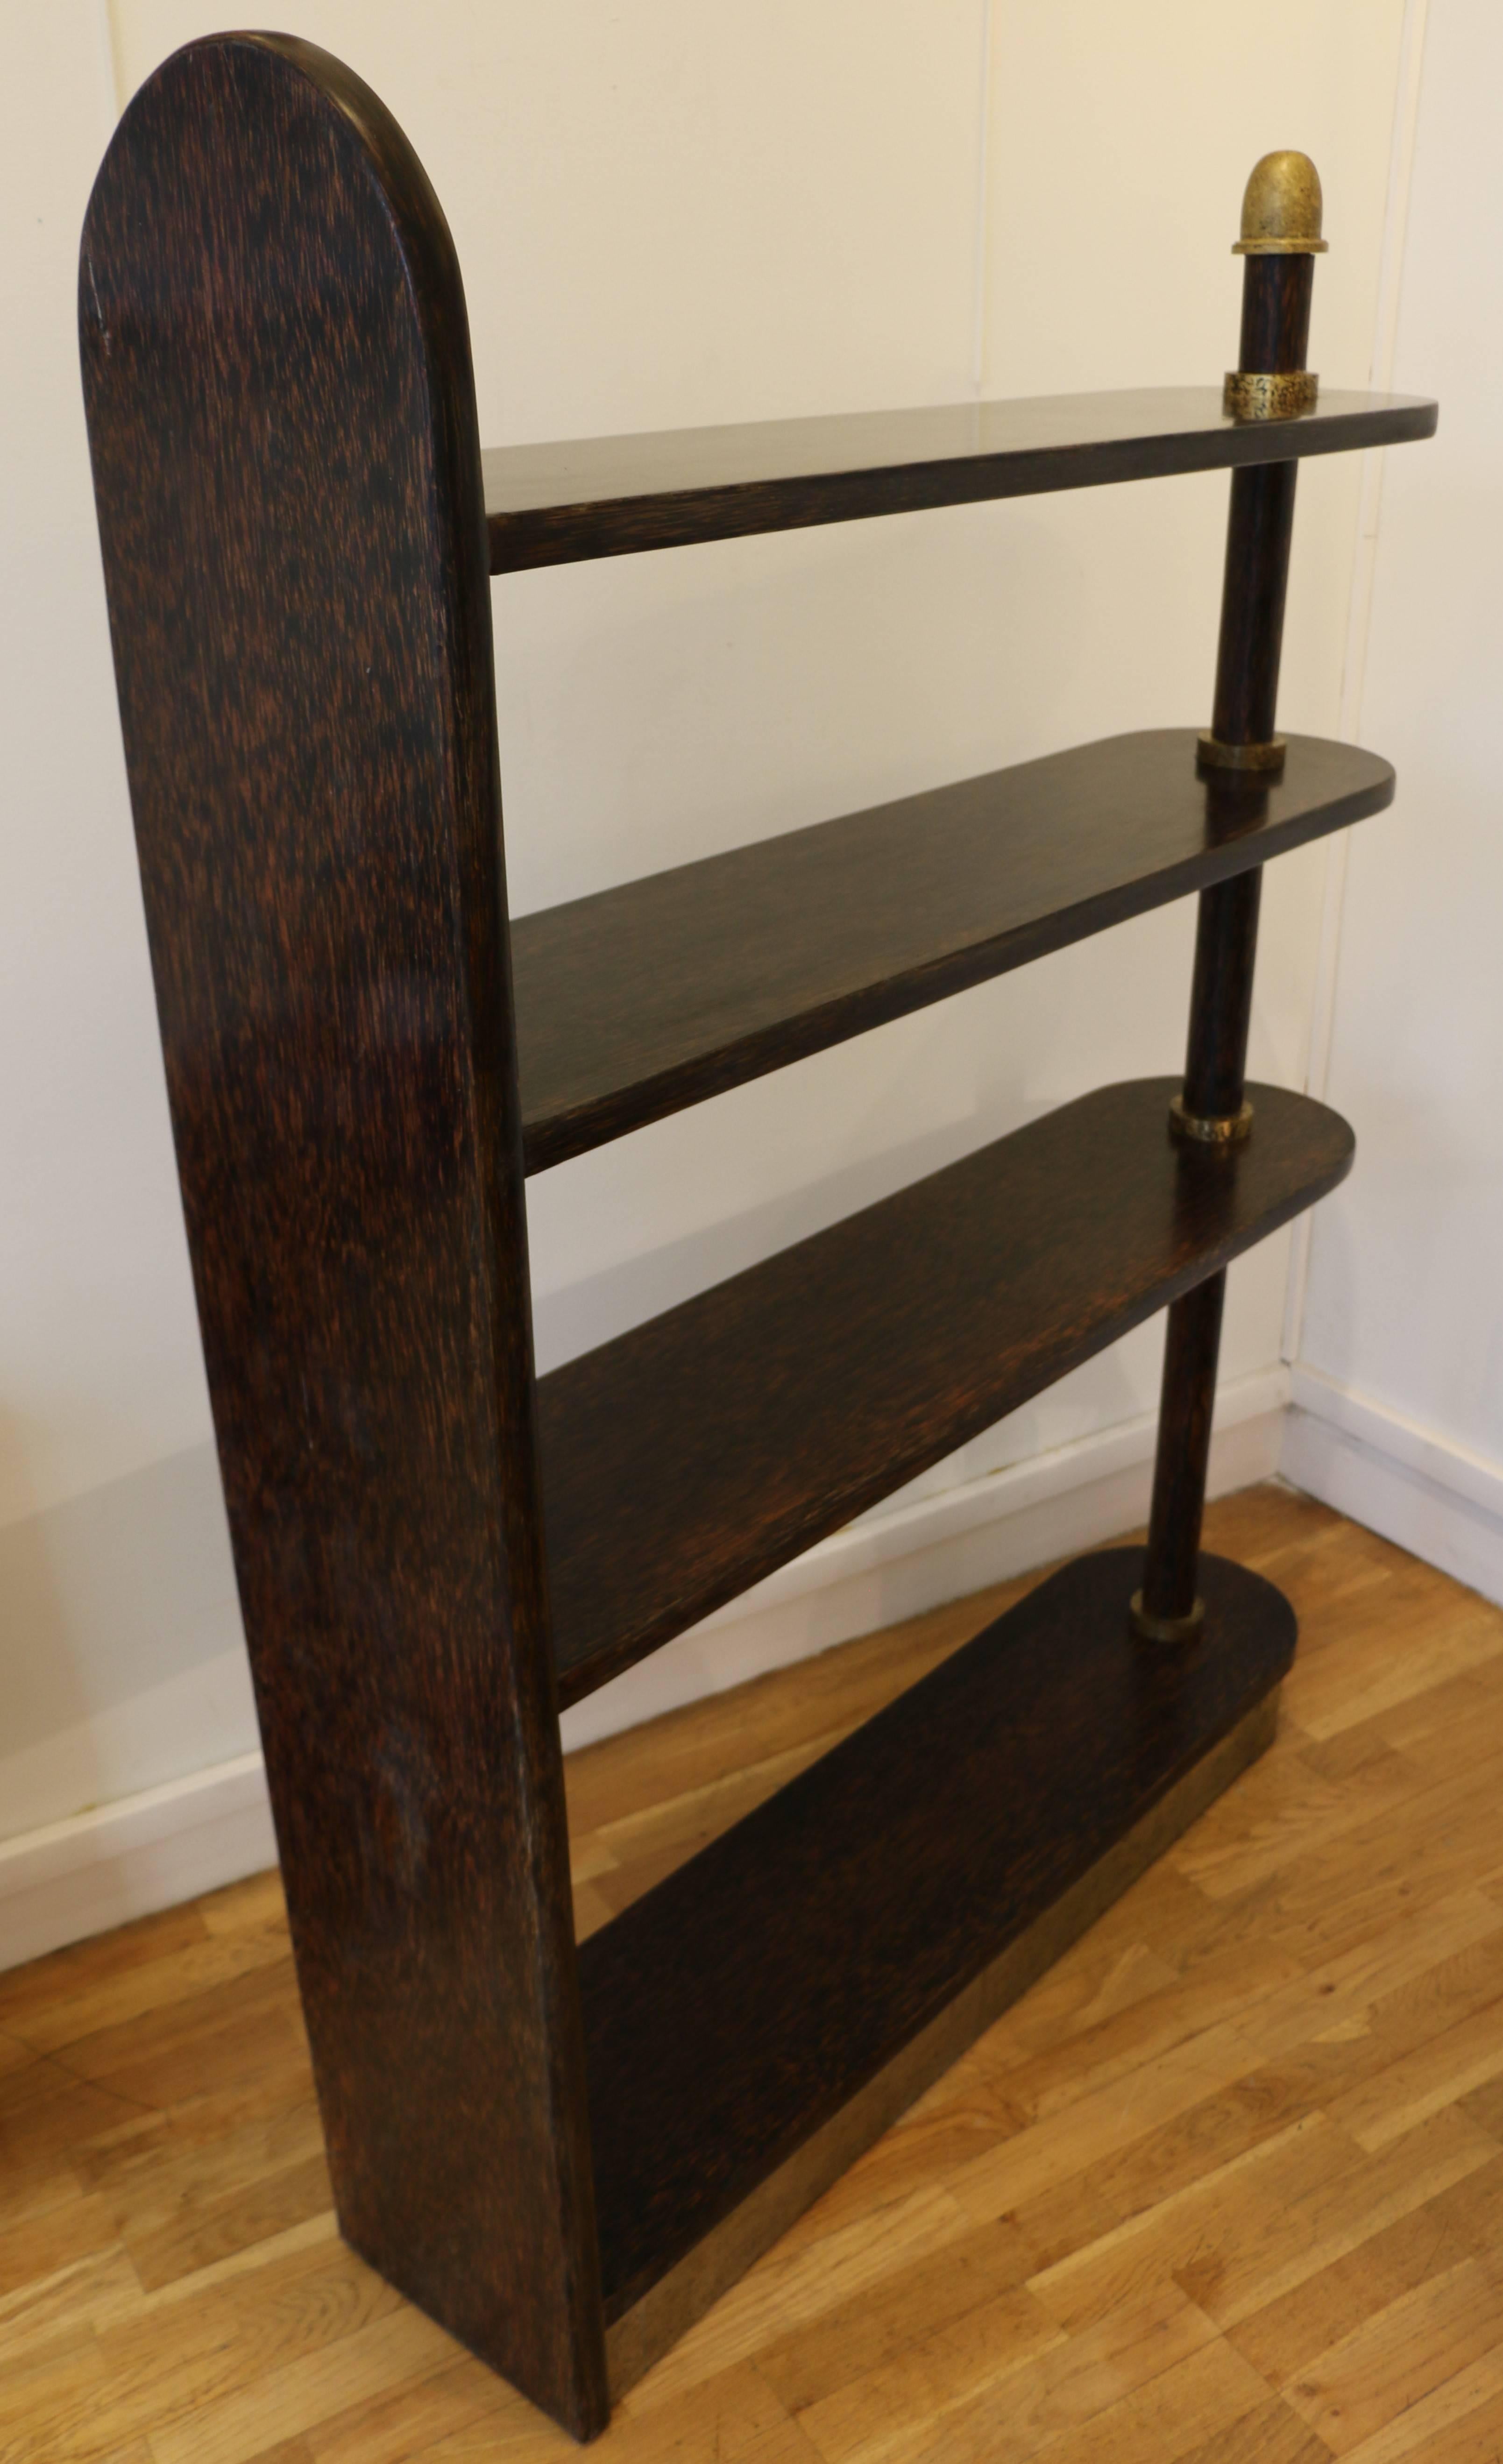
616	495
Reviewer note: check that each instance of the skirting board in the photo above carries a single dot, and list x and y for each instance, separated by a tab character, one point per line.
143	1853
1420	1490
129	1859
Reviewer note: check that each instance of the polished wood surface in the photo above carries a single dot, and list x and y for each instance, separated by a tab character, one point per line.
1225	2186
686	1459
722	2035
1277	297
302	645
637	1001
614	496
1221	996
1276	335
294	527
672	2304
1182	1456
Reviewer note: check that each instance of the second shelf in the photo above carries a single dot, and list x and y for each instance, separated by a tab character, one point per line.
689	1458
637	1001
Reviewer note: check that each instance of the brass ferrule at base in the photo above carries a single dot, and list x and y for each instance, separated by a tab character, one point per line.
1249	394
1158	1629
1227	1130
1211	754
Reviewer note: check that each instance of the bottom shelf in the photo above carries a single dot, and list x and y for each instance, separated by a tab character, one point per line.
762	2014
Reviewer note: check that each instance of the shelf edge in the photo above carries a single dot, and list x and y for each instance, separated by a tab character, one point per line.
659	2316
585	1674
720	2113
558	1136
589	530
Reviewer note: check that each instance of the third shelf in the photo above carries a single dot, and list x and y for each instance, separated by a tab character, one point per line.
688	1458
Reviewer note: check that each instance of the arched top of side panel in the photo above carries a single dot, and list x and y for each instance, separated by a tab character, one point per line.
282	415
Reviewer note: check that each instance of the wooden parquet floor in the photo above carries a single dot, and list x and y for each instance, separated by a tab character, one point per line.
1225	2187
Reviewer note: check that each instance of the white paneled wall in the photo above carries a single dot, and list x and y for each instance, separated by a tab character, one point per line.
669	215
100	1366
121	1658
1400	1394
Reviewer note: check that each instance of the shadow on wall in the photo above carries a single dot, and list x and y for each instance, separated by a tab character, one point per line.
42	1692
594	1310
121	1659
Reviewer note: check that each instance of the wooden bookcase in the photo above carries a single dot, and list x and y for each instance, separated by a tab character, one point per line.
564	2153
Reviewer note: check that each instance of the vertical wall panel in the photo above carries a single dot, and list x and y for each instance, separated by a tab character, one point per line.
1405	1297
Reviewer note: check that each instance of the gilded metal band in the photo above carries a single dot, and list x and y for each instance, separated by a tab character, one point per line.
1158	1629
1306	247
1211	754
1248	394
1229	1129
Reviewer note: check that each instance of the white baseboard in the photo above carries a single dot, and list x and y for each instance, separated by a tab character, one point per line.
147	1852
127	1860
1420	1490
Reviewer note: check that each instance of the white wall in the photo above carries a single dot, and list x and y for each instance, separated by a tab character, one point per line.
1400	1378
120	1658
668	215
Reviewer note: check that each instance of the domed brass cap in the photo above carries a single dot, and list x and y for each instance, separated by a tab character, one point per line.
1281	209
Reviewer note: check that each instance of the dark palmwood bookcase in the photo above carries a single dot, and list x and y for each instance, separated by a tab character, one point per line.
564	2153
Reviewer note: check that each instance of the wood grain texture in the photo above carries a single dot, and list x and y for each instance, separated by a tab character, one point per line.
295	529
1221	996
614	496
1186	1409
1260	521
281	414
691	1457
638	1000
661	2315
1231	2168
722	2033
1276	296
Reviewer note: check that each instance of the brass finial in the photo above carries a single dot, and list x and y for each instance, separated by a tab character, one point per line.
1281	209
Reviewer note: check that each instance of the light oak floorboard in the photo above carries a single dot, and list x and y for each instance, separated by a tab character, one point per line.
1225	2187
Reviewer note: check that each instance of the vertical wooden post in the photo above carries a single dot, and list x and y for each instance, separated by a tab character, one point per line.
287	470
1281	216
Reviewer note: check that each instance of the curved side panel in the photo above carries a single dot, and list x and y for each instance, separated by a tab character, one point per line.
281	412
